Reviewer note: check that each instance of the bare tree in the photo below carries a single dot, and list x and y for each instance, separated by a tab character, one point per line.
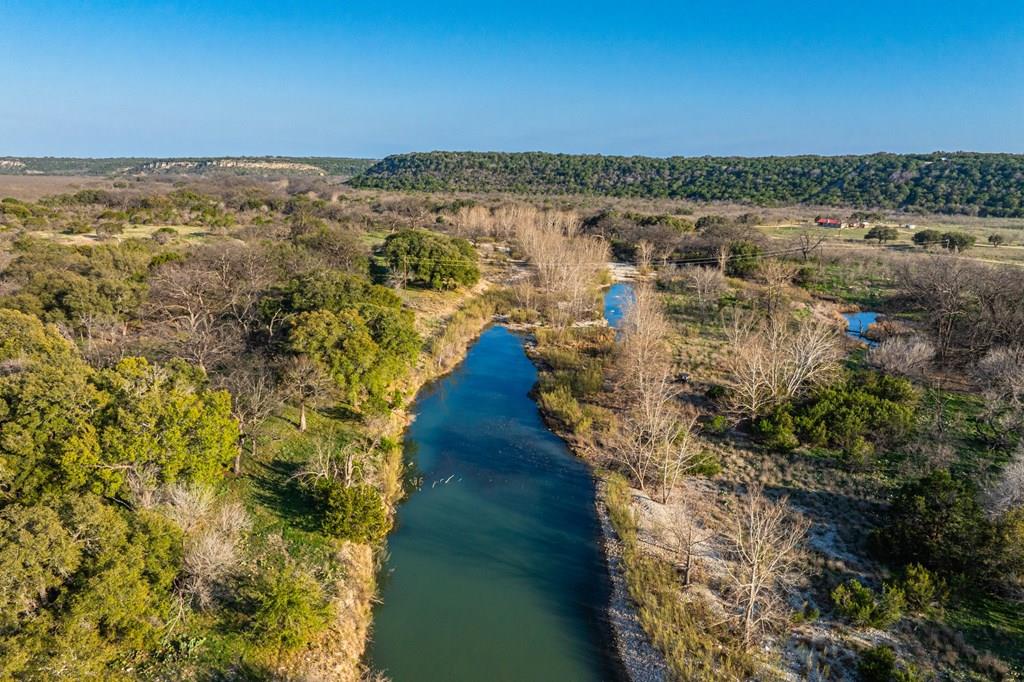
774	360
214	534
776	276
807	243
1008	492
308	384
692	539
944	287
763	541
707	285
184	296
332	460
654	441
1000	374
566	263
240	275
255	396
654	438
644	256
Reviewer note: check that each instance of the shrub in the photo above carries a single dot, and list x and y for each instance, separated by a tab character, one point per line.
164	235
717	425
936	522
776	431
109	229
588	379
923	590
561	404
851	415
355	512
878	664
861	606
290	608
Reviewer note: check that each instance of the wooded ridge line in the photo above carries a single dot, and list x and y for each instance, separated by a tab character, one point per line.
969	183
961	182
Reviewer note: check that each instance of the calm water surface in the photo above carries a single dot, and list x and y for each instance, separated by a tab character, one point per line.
858	323
495	571
616	300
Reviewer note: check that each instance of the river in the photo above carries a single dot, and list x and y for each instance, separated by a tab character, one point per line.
495	570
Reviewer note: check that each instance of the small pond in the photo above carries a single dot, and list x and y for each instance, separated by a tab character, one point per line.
857	325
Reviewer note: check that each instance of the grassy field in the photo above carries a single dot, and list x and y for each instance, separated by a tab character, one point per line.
1012	252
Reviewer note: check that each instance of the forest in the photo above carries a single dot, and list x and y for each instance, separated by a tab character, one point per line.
955	183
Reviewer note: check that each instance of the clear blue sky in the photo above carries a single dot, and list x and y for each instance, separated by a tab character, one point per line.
369	78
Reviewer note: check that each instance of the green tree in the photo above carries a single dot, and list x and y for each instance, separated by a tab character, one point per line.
290	608
47	404
355	512
163	419
937	522
37	556
996	239
957	241
356	331
926	238
743	259
882	233
431	260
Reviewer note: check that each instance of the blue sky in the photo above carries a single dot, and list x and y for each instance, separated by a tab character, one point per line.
111	78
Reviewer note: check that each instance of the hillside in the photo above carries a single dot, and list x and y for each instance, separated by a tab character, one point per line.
964	183
195	165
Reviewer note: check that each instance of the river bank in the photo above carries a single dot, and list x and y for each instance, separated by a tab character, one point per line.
640	660
449	323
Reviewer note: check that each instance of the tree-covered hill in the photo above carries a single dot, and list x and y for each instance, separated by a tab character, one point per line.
962	182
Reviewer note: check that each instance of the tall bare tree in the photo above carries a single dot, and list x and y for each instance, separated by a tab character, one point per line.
707	285
691	537
306	383
773	360
807	243
654	437
566	263
763	540
255	395
776	276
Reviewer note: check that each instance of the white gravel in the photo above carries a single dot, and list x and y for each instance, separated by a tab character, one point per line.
642	662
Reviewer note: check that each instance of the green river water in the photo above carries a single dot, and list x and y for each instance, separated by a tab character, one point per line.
495	569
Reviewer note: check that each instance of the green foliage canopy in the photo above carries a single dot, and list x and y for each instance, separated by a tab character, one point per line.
432	260
970	183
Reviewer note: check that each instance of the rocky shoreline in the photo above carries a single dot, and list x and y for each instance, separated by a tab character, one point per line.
640	660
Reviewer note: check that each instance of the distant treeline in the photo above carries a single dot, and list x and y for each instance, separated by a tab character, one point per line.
963	182
53	165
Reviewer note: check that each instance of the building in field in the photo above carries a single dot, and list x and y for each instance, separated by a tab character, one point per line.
822	221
